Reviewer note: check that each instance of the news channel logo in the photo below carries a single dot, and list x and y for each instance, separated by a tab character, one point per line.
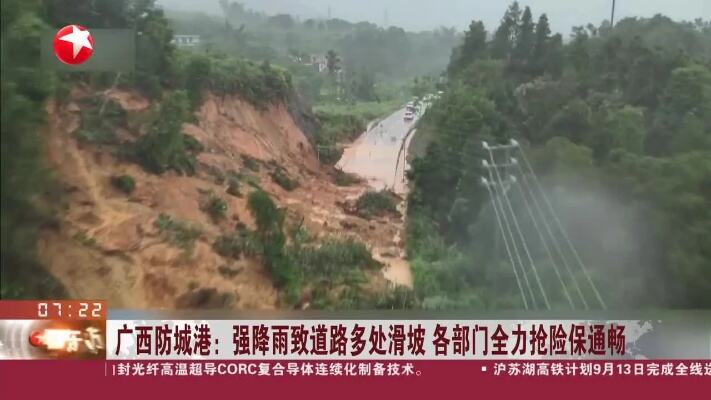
46	339
76	48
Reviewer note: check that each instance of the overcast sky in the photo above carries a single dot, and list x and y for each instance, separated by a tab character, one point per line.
429	14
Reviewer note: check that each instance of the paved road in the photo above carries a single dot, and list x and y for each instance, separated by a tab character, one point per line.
374	156
379	155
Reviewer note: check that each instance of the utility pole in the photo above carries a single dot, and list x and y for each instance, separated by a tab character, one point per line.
612	17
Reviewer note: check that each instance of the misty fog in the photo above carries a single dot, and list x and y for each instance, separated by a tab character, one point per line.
429	14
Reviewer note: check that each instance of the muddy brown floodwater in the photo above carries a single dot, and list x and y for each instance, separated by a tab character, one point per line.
379	156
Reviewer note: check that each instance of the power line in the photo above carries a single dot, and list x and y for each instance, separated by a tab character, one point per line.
520	233
506	242
540	234
560	251
511	235
505	219
562	229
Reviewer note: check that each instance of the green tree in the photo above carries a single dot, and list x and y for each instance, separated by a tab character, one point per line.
555	59
670	190
195	76
579	53
525	43
689	90
233	10
538	100
333	62
333	65
23	175
624	128
270	221
362	86
505	36
281	21
422	86
164	146
154	50
564	158
96	14
464	120
542	46
473	48
684	118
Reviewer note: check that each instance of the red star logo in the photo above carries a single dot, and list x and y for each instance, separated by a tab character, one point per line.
73	44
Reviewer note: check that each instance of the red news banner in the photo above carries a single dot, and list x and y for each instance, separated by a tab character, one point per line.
370	339
386	349
412	356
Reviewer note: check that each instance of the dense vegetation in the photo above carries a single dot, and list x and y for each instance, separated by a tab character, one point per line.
331	272
22	175
165	147
618	125
260	84
371	204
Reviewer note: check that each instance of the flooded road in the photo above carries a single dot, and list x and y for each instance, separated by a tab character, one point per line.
379	156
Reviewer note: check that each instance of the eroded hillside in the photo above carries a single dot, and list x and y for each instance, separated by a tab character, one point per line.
155	246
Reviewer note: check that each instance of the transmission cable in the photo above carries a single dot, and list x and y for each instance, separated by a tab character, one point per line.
562	229
506	242
518	229
540	233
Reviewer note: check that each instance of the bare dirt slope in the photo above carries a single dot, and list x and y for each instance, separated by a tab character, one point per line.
105	244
